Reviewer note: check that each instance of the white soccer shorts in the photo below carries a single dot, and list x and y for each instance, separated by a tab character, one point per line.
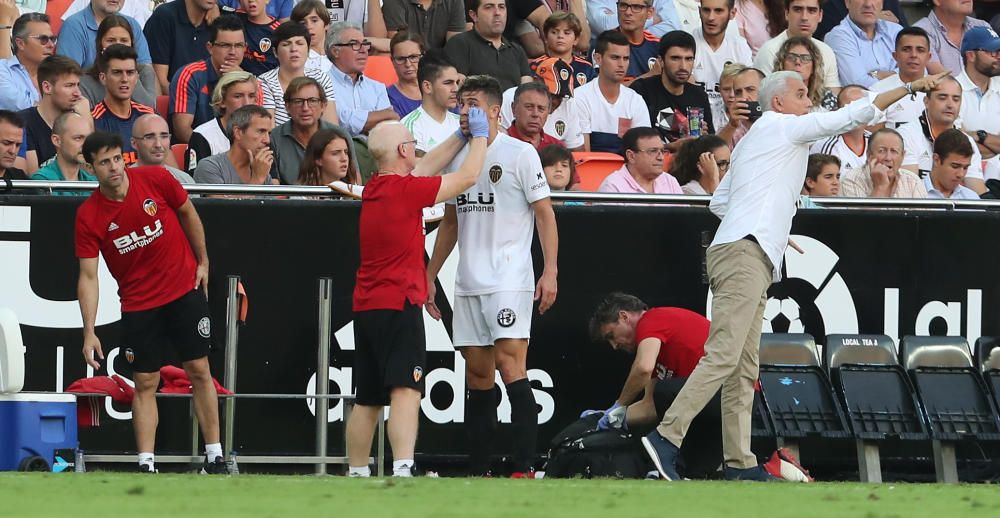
481	320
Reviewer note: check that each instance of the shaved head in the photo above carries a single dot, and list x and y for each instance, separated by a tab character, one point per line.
384	140
144	124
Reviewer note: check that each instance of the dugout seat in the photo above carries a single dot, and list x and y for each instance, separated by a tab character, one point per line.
800	398
953	395
163	106
988	361
593	167
180	154
380	69
876	394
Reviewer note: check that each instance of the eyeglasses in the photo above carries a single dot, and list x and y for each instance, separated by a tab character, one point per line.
153	137
405	142
355	45
655	151
723	165
799	58
412	58
45	39
635	8
298	102
230	46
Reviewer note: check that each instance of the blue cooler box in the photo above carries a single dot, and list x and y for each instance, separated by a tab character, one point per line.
35	425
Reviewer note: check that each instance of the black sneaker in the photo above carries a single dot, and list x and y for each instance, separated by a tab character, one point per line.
663	453
754	474
146	468
219	467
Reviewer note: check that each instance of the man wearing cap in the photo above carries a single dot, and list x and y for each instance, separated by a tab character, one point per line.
980	81
559	121
672	100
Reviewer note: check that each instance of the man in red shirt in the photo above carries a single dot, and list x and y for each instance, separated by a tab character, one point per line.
391	286
143	224
531	111
667	344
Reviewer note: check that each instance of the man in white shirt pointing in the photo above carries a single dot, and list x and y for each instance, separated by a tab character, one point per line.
756	202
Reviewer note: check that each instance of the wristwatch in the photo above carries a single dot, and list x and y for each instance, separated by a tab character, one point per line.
981	137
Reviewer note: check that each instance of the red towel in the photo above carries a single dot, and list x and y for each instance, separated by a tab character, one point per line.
88	411
175	381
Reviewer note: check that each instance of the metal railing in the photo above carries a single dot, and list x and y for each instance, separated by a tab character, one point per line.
322	398
571	196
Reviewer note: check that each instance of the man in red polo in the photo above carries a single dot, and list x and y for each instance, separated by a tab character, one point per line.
391	286
531	111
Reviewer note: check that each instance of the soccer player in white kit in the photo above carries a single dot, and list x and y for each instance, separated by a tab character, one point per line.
493	223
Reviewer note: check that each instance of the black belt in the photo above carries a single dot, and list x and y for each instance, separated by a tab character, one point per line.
750	237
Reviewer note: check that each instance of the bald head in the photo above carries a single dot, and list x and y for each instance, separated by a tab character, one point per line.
384	142
150	139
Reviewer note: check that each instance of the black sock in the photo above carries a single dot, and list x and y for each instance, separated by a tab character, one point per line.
481	425
524	424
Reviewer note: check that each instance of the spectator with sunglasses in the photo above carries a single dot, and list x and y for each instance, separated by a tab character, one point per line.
406	49
291	45
31	42
363	102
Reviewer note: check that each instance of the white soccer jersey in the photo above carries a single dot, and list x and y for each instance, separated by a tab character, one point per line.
495	220
904	110
606	122
918	148
563	123
429	132
708	65
837	147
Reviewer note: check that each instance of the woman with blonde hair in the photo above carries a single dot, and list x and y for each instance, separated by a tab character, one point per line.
800	54
234	89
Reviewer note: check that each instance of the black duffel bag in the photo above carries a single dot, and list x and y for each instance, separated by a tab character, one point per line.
582	451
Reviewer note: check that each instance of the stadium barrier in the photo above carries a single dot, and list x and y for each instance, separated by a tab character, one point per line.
917	267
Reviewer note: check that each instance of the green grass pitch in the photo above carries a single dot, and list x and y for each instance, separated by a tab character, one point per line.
116	494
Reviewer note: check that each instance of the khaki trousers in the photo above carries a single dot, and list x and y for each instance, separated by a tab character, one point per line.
739	274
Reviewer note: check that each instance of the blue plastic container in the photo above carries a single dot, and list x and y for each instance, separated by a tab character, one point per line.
35	425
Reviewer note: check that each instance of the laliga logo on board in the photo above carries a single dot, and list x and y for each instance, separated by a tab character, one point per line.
814	294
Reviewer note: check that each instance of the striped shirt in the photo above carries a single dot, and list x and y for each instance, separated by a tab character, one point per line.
837	147
107	120
191	91
274	94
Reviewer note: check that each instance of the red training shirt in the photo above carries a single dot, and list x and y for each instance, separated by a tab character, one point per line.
682	334
392	270
141	239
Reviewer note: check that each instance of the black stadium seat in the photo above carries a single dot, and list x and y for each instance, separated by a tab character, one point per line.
988	362
877	395
798	393
955	399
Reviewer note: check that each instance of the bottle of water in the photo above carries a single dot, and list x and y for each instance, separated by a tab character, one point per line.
234	467
78	464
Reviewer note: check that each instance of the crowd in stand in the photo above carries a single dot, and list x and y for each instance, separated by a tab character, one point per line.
276	91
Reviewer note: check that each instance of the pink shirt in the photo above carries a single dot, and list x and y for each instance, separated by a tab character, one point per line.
753	24
622	181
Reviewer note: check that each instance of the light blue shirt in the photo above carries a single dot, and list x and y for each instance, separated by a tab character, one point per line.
603	16
78	39
356	100
17	92
961	192
857	56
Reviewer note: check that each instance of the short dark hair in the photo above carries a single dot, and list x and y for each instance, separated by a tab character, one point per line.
404	36
242	117
554	153
473	5
817	161
54	67
788	4
684	166
672	39
11	118
484	84
952	142
607	311
560	17
224	23
530	86
913	30
287	31
116	51
304	7
630	140
99	141
433	62
607	38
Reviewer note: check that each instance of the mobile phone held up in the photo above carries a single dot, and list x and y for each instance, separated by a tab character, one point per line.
755	110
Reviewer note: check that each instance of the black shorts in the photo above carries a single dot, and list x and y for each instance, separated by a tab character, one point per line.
390	351
183	325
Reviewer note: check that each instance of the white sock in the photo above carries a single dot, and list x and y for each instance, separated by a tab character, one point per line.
363	471
146	459
402	468
213	450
